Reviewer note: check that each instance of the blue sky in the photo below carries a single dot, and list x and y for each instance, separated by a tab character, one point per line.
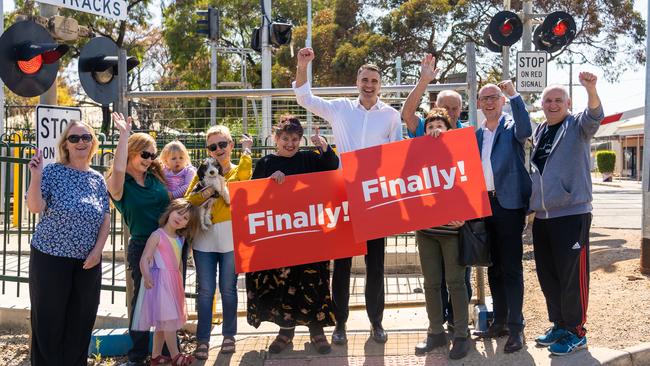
627	93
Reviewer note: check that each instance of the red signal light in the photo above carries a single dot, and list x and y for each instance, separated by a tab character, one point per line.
506	28
31	66
560	28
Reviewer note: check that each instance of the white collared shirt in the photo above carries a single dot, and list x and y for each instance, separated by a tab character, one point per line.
353	126
486	154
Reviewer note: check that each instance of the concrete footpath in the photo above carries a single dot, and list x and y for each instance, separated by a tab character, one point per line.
406	327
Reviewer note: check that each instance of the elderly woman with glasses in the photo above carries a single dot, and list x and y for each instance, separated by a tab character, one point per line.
136	184
66	249
213	249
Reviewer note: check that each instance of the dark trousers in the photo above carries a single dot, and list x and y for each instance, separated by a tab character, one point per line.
505	276
374	290
562	261
64	299
447	309
140	339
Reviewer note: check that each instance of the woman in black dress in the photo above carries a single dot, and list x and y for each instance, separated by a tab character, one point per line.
296	295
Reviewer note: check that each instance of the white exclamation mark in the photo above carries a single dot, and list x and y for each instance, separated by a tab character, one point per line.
461	169
345	211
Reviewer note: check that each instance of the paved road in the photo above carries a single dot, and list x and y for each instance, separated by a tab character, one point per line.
617	207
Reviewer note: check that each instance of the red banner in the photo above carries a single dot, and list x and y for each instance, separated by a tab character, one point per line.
303	220
415	184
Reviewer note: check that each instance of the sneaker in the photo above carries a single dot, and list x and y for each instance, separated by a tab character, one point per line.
551	336
568	344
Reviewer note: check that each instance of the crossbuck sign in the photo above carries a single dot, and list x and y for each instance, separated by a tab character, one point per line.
112	9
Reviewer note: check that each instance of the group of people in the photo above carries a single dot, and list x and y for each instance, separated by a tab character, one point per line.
159	199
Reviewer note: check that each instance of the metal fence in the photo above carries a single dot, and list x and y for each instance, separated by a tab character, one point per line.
403	281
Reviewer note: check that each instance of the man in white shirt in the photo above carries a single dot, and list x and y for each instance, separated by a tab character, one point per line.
356	124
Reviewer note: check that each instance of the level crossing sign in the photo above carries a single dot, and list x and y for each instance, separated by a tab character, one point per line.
531	71
50	123
112	9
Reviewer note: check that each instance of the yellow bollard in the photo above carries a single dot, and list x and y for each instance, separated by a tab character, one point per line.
17	199
216	319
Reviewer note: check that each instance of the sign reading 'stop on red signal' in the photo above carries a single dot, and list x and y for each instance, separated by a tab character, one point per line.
415	184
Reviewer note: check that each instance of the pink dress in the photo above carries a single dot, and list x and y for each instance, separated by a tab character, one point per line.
163	305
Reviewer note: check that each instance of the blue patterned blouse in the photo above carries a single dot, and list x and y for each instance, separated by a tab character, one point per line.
76	204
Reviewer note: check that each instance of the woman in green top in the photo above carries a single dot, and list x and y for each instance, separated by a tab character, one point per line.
136	185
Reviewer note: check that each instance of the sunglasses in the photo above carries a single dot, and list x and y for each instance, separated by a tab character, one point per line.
147	155
86	137
221	144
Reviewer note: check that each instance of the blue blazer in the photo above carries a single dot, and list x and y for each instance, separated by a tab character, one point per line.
511	179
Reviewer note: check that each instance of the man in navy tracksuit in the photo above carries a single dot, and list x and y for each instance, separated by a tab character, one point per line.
561	199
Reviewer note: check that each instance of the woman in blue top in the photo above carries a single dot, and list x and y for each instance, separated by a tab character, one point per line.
64	275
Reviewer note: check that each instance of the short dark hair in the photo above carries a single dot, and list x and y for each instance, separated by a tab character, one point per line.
438	114
288	123
371	67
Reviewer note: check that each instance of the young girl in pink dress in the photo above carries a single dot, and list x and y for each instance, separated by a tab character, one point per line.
161	299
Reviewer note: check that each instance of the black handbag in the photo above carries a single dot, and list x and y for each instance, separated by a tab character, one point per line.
474	244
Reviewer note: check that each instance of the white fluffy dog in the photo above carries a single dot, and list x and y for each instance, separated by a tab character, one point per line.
211	175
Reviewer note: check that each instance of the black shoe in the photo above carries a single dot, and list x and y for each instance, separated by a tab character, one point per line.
460	348
514	343
432	341
494	331
338	336
133	363
378	334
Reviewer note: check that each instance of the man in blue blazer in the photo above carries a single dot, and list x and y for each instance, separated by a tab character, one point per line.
501	139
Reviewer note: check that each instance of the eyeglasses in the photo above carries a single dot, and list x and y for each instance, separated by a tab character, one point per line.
490	98
148	155
221	144
86	137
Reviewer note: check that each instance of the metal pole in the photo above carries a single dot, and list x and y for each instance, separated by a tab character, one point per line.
505	52
571	79
2	90
213	82
121	106
527	36
266	72
472	82
398	70
310	118
244	80
49	97
645	243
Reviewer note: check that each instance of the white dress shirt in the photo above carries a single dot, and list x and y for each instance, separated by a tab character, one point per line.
486	153
353	126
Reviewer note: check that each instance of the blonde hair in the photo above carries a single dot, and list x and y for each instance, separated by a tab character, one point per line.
137	143
172	148
63	155
218	130
181	204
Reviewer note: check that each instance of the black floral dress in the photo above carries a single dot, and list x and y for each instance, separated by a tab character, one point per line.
297	295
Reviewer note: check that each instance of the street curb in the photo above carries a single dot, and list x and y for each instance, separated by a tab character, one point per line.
638	355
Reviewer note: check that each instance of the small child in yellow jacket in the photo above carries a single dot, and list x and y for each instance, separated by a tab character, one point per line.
213	249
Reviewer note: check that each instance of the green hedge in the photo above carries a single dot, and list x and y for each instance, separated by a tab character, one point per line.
606	160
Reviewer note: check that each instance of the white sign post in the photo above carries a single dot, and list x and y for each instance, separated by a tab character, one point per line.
113	9
531	71
50	123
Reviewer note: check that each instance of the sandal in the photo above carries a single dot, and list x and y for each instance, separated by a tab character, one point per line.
182	360
201	351
160	360
321	344
228	345
279	343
